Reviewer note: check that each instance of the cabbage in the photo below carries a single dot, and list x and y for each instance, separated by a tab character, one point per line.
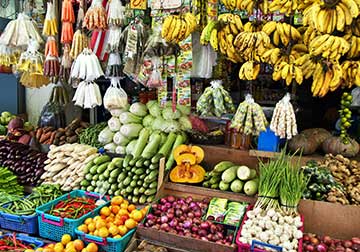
148	120
169	114
185	123
114	124
119	139
155	110
131	130
185	110
120	150
127	117
159	124
150	103
138	109
110	147
118	112
171	126
105	136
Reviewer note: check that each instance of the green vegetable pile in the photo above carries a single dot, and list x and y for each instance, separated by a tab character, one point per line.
18	205
89	135
9	183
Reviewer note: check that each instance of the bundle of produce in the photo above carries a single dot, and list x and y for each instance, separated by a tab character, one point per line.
8	56
351	72
283	122
19	131
90	134
9	184
86	66
347	173
73	208
230	213
312	242
249	117
65	165
134	177
320	183
26	163
95	17
51	47
115	97
79	42
67	19
65	65
309	140
50	24
126	218
176	28
215	101
67	242
51	66
116	15
221	35
247	6
345	116
183	216
227	176
281	33
87	95
26	206
188	169
14	242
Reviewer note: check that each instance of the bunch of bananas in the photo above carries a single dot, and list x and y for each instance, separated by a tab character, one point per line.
275	56
281	32
309	35
287	72
249	70
176	28
285	6
247	5
307	64
329	46
351	73
221	35
354	42
355	27
326	17
327	77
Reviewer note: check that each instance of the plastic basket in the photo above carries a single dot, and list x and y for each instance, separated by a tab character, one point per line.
243	247
53	227
24	223
26	239
107	244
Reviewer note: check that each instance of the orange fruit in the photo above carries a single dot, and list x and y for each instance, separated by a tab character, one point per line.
100	223
29	250
130	223
96	218
79	244
124	218
124	206
117	200
48	250
65	239
91	227
109	219
118	222
72	249
113	230
70	245
92	247
115	209
105	211
108	224
103	232
131	208
122	230
117	236
88	221
122	212
96	232
59	247
91	233
137	215
83	228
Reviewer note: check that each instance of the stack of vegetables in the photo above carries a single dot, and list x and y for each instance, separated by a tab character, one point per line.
312	242
135	176
65	165
126	125
73	208
27	164
13	204
9	184
89	135
275	219
19	131
5	118
227	176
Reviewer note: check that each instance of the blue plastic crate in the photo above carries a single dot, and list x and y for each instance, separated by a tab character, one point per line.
53	227
268	141
24	223
26	239
107	244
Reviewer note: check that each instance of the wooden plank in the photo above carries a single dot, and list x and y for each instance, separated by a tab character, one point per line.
134	243
161	173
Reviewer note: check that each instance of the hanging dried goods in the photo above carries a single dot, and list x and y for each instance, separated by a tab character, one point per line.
51	47
79	42
116	13
86	66
65	65
95	16
50	24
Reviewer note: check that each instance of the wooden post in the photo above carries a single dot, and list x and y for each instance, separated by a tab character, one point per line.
161	173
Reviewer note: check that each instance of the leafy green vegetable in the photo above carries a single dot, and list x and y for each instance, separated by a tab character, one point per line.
127	117
185	110
138	109
148	120
106	136
155	110
185	123
169	114
131	130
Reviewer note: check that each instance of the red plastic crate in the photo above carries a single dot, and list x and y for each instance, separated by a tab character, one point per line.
243	247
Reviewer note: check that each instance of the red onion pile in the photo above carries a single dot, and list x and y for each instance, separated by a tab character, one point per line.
313	243
184	217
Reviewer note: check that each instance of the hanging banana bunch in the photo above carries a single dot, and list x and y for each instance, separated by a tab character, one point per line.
309	35
354	42
176	28
327	77
247	5
307	64
287	72
282	33
329	46
351	73
286	7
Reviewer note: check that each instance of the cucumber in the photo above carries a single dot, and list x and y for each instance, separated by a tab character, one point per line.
222	166
121	177
120	185
136	191
146	185
214	186
147	162
139	182
151	177
101	177
150	199
229	174
147	171
142	190
90	188
135	177
215	180
117	193
127	159
141	143
156	158
93	183
111	166
153	185
140	162
133	183
114	187
88	166
142	176
84	182
133	169
206	184
112	180
93	170
101	159
133	161
98	183
135	199
128	168
102	167
115	173
110	192
88	177
129	189
96	177
224	186
142	199
130	174
139	171
166	147
127	181
107	173
149	192
154	166
178	141
151	147
118	162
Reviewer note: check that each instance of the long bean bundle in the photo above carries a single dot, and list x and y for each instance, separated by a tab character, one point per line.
90	135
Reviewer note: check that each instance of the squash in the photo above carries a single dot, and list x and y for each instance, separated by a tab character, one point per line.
185	158
335	145
301	142
189	149
319	134
187	173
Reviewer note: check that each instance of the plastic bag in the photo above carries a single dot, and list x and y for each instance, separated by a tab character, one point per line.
115	97
356	96
114	67
155	80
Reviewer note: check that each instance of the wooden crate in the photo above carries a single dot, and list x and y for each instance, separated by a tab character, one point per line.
134	243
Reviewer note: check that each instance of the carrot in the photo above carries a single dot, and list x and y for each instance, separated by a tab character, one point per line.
39	132
52	137
45	137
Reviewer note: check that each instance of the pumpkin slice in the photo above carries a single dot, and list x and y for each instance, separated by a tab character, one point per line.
186	158
187	174
178	174
198	152
181	149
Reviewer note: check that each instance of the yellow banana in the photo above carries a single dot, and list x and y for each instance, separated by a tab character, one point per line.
214	40
352	7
